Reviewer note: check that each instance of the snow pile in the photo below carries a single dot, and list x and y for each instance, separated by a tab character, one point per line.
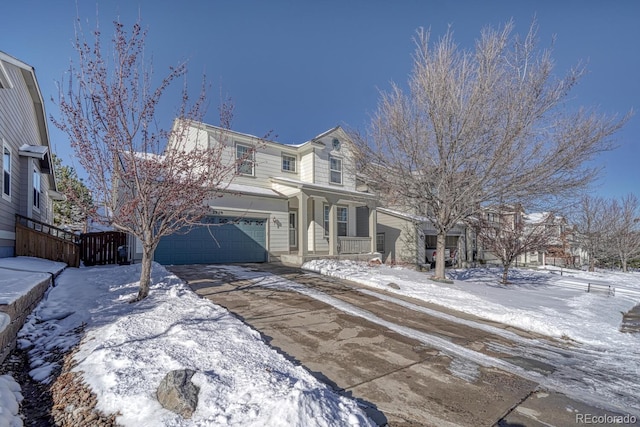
10	398
129	348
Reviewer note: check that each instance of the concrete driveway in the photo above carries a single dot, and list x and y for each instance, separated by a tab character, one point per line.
406	367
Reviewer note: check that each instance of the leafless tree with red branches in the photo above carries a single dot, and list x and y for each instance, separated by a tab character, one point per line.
108	108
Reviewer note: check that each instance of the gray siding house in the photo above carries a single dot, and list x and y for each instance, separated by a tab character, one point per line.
27	183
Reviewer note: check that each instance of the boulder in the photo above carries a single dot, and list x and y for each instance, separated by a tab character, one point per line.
177	393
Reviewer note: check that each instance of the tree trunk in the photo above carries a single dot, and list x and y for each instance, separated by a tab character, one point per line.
505	273
145	273
592	264
625	268
440	248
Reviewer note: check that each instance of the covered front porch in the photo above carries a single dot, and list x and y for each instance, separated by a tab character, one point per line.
328	222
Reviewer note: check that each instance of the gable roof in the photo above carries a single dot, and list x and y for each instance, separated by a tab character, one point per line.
29	75
316	141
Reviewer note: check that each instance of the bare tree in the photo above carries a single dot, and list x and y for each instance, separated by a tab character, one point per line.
623	218
592	226
481	127
507	233
149	188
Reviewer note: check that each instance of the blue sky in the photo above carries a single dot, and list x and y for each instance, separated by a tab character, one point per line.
298	68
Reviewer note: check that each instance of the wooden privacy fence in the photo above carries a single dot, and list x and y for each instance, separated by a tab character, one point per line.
101	248
41	240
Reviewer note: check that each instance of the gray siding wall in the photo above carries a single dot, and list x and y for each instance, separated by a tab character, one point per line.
8	208
18	126
322	165
400	239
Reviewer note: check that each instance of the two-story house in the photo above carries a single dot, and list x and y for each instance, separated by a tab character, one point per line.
28	184
537	239
285	203
563	248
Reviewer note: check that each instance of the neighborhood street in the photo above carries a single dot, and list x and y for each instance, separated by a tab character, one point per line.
408	362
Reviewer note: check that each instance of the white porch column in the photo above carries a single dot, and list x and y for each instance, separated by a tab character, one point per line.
373	231
333	229
303	226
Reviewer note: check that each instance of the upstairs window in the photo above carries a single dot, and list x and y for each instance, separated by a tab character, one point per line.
335	170
288	163
6	172
245	159
36	189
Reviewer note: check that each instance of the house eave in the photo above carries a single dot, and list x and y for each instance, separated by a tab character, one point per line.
302	185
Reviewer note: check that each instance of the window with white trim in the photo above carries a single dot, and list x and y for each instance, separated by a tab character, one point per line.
288	163
293	230
6	172
335	170
343	219
36	188
325	217
380	242
246	160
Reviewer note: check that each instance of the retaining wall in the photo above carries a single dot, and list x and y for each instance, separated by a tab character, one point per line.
18	312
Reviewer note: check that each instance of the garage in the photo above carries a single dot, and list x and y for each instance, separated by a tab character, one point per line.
223	240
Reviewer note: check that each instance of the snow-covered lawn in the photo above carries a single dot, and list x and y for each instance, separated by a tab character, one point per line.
542	301
129	348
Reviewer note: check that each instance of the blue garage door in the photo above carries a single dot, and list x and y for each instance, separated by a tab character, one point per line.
226	240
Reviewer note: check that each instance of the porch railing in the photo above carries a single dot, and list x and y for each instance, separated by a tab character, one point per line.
354	245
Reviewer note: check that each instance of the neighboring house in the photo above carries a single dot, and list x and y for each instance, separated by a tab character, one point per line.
563	250
506	218
411	239
287	203
550	234
27	184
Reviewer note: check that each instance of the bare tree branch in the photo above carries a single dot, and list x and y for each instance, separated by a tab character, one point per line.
148	180
481	127
507	233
